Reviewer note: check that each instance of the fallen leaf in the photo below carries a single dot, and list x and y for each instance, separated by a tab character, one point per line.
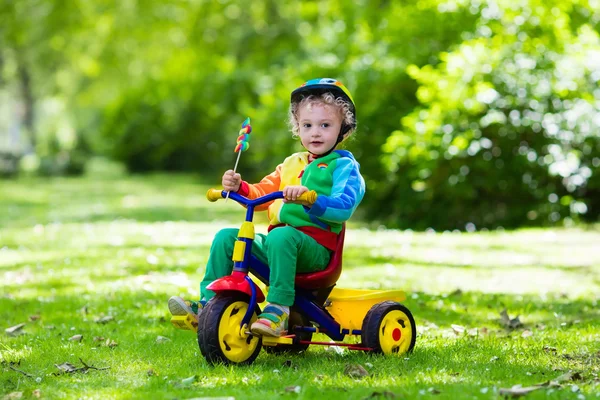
34	317
104	320
335	349
37	393
509	323
568	377
162	339
76	338
458	329
66	367
355	371
293	389
188	381
473	332
14	331
518	391
99	339
111	343
13	395
428	326
526	333
433	391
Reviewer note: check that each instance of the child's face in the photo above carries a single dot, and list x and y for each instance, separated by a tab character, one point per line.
319	127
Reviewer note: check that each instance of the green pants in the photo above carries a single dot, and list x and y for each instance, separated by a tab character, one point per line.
285	250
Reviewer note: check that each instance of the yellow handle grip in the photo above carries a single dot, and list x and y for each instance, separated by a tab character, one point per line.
214	195
310	197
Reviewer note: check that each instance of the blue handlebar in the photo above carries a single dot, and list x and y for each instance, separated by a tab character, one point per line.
256	202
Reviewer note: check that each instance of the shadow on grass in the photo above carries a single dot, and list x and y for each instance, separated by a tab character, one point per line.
362	257
478	310
140	317
153	198
29	215
469	309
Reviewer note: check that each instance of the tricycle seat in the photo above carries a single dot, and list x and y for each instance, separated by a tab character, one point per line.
329	276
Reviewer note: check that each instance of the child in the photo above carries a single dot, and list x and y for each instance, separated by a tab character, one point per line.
301	237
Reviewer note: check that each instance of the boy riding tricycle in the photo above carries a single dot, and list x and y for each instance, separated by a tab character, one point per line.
308	197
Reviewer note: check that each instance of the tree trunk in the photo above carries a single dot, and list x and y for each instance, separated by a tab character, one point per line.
28	101
1	68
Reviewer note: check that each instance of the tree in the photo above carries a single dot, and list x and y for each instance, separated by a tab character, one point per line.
507	132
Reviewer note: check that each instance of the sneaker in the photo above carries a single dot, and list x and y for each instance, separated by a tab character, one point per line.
273	321
179	306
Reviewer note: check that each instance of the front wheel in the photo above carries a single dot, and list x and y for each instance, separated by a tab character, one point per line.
389	328
220	337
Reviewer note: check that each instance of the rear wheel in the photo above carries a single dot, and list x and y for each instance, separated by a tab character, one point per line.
296	319
389	328
220	337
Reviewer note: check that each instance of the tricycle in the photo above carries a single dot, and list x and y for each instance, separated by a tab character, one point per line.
383	324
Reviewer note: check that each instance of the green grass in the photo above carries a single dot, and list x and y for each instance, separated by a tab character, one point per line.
75	250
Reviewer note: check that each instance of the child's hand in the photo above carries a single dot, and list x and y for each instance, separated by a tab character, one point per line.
231	181
291	193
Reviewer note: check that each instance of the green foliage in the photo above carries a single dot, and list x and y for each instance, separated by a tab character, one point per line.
508	131
368	48
469	112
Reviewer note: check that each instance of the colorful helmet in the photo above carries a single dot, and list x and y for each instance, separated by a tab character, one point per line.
323	85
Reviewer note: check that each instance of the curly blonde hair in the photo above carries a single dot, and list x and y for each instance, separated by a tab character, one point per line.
337	103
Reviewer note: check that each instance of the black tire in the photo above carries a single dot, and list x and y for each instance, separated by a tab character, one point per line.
296	319
386	326
219	345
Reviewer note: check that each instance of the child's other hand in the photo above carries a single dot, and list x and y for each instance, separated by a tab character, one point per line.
231	181
291	193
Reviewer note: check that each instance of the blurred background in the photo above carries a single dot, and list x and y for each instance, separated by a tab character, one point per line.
472	114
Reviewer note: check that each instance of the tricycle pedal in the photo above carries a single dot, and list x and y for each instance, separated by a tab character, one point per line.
274	341
185	322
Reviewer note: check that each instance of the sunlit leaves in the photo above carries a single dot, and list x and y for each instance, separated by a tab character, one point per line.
441	85
519	95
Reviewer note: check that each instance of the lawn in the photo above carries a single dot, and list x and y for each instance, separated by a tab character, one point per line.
88	264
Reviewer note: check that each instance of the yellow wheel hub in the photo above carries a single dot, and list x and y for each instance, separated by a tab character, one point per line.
235	344
395	333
